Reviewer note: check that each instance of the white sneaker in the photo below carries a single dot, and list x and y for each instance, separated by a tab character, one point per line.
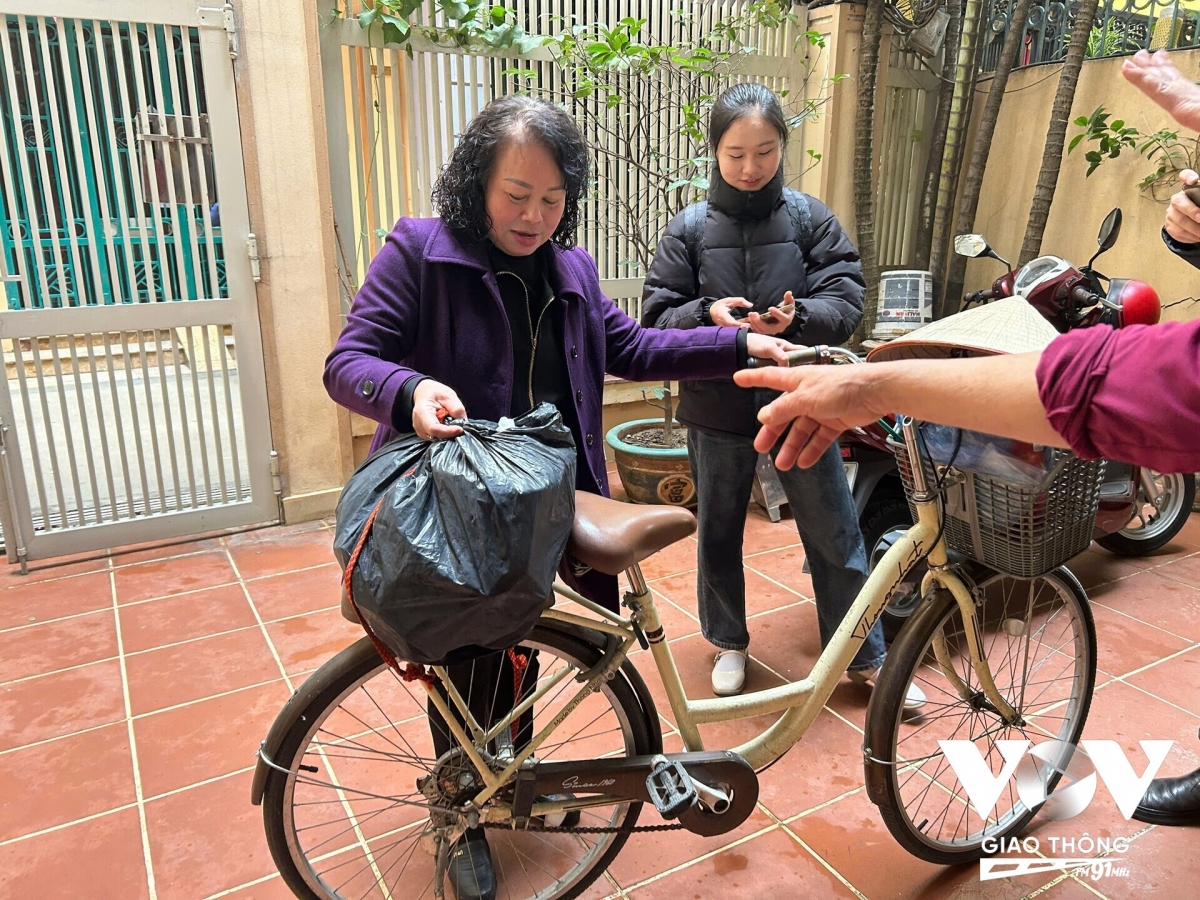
729	672
914	698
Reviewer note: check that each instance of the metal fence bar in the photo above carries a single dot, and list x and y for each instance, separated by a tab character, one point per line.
130	491
52	447
193	73
103	420
215	422
93	113
183	414
87	186
235	452
97	508
151	419
183	213
29	426
159	351
178	228
47	218
57	147
199	407
134	218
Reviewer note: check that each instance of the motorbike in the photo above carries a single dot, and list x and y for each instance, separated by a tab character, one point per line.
1140	510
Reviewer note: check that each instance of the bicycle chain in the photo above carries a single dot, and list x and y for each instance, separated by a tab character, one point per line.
564	829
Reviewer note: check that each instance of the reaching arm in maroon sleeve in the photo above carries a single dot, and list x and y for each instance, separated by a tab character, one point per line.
1131	395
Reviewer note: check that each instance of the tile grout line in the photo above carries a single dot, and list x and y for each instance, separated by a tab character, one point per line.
687	864
262	626
823	862
143	715
83	665
213	780
137	774
64	825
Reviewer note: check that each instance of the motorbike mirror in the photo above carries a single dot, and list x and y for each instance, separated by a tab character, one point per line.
1110	230
974	246
971	246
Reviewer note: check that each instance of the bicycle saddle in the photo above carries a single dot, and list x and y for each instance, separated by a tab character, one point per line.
611	536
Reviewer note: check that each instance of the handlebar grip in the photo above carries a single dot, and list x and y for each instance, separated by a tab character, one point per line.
805	356
1081	296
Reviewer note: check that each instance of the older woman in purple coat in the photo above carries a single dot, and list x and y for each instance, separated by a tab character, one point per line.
489	310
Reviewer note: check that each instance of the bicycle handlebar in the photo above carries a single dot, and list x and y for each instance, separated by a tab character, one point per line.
808	356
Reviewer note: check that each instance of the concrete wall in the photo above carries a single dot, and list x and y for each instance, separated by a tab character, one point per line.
1080	203
287	169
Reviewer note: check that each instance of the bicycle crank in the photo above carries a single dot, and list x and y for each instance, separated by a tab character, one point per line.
709	793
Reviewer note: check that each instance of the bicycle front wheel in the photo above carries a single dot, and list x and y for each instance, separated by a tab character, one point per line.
359	793
1040	643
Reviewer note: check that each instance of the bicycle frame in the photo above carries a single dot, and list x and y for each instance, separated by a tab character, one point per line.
799	702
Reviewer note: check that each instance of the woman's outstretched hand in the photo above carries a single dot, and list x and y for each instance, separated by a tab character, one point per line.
433	402
766	347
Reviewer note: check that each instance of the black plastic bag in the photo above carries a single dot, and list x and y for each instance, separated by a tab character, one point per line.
462	537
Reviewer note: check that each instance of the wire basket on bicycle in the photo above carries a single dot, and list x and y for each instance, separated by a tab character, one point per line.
1021	510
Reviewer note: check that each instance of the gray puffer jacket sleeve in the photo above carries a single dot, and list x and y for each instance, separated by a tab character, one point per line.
833	306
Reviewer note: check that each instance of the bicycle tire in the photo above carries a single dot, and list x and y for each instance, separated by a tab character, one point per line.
357	665
894	772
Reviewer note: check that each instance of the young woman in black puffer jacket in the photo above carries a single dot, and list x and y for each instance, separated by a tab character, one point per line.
762	257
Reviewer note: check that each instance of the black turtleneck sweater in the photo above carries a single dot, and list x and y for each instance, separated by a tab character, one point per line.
535	317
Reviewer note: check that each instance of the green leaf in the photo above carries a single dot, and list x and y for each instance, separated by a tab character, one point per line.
498	14
699	182
381	233
612	100
1075	142
395	29
1117	124
1094	156
527	43
455	9
367	17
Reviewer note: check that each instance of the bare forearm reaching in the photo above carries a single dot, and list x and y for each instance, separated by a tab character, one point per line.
997	395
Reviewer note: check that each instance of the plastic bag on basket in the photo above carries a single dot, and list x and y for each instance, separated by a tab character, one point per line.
1015	462
451	546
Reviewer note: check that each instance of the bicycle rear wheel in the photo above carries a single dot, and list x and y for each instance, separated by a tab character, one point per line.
353	814
1040	643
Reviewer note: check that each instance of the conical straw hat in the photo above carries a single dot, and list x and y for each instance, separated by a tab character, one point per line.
1010	325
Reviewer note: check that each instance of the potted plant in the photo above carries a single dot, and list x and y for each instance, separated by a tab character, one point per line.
652	457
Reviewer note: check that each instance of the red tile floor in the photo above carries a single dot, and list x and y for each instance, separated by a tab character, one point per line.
135	687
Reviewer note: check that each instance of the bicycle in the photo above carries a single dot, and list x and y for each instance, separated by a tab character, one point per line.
357	803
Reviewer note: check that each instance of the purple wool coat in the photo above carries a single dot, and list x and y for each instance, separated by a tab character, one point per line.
430	306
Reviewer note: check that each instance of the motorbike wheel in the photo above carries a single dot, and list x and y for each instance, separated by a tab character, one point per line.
1151	528
885	519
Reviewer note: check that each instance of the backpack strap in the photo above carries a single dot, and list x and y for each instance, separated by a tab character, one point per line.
801	216
693	236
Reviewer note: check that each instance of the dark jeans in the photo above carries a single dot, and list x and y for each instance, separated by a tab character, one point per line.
823	509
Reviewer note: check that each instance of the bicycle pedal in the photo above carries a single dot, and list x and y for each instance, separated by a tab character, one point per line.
670	788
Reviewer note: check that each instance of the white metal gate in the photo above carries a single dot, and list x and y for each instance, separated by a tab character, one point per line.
134	405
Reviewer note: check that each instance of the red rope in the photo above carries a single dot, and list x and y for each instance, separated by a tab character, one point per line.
411	671
519	665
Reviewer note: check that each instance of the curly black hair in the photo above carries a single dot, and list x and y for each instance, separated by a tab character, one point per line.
458	194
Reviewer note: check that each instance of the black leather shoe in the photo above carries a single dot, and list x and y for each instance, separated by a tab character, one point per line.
470	869
1171	801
